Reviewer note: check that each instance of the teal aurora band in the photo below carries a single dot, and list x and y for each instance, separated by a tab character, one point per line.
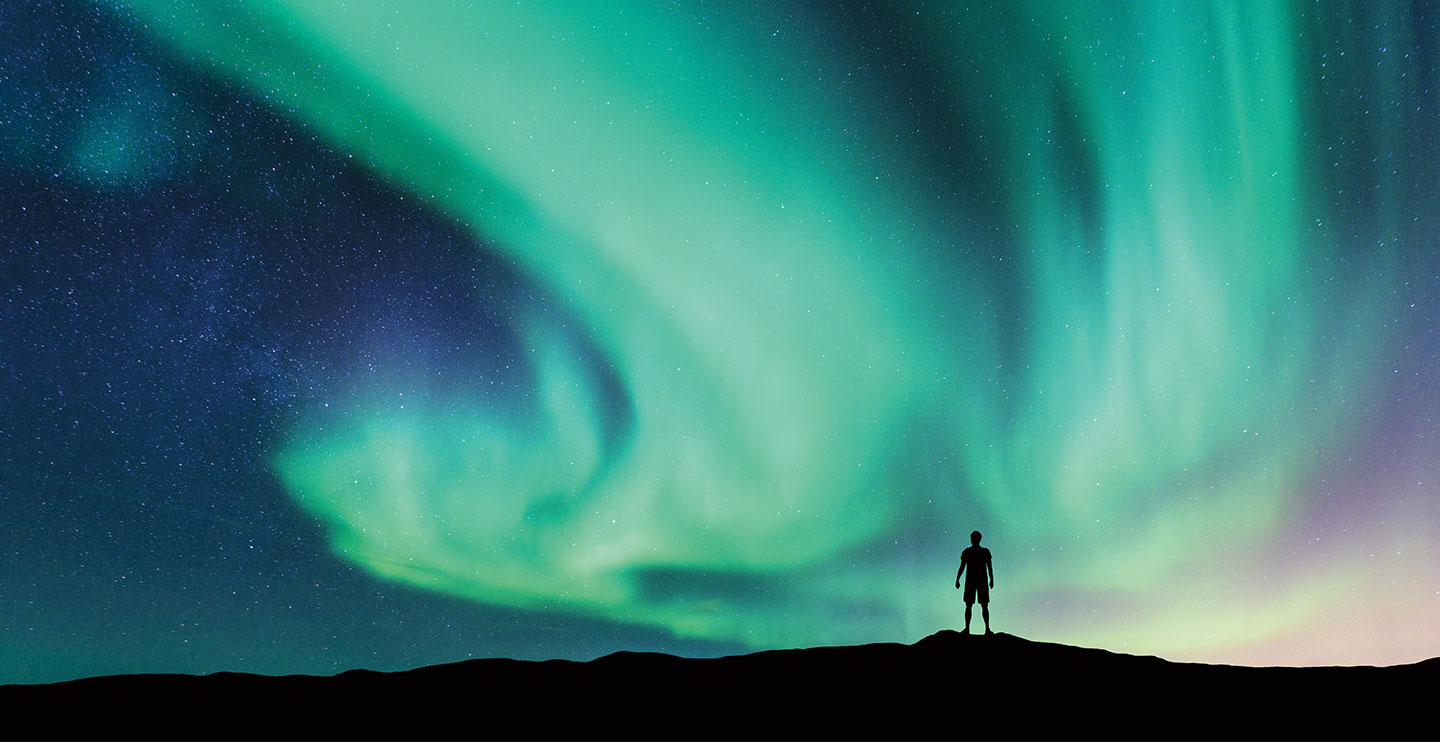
828	381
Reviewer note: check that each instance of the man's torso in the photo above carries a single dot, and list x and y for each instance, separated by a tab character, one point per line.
977	564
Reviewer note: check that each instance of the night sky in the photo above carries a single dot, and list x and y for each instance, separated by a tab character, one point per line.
380	335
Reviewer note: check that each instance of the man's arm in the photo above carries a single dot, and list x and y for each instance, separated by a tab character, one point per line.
962	571
990	567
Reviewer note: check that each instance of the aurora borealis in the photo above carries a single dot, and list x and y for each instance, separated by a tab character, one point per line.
389	334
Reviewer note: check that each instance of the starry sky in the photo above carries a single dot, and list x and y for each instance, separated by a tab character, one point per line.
386	334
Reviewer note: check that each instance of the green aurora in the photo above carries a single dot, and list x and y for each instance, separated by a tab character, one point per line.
1094	305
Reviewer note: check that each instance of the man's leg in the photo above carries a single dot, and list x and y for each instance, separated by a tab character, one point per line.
967	618
985	611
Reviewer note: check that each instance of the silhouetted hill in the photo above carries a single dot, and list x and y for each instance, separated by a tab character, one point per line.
944	686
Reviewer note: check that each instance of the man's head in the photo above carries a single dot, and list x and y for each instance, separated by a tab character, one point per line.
975	538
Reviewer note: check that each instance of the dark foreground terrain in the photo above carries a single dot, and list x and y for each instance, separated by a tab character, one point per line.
944	686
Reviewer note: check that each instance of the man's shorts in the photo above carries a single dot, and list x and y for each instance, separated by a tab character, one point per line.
977	591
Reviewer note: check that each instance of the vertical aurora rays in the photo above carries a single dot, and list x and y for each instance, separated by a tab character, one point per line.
830	356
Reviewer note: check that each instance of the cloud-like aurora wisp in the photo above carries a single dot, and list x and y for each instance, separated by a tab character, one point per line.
835	356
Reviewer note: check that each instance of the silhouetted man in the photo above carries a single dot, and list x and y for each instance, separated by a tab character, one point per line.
977	558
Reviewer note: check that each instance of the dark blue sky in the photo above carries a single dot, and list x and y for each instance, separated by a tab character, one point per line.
168	310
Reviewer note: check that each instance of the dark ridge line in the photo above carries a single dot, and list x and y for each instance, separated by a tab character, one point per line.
945	686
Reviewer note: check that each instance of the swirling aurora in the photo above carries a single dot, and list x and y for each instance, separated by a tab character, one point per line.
797	295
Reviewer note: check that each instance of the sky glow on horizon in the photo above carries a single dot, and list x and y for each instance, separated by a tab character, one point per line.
729	323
